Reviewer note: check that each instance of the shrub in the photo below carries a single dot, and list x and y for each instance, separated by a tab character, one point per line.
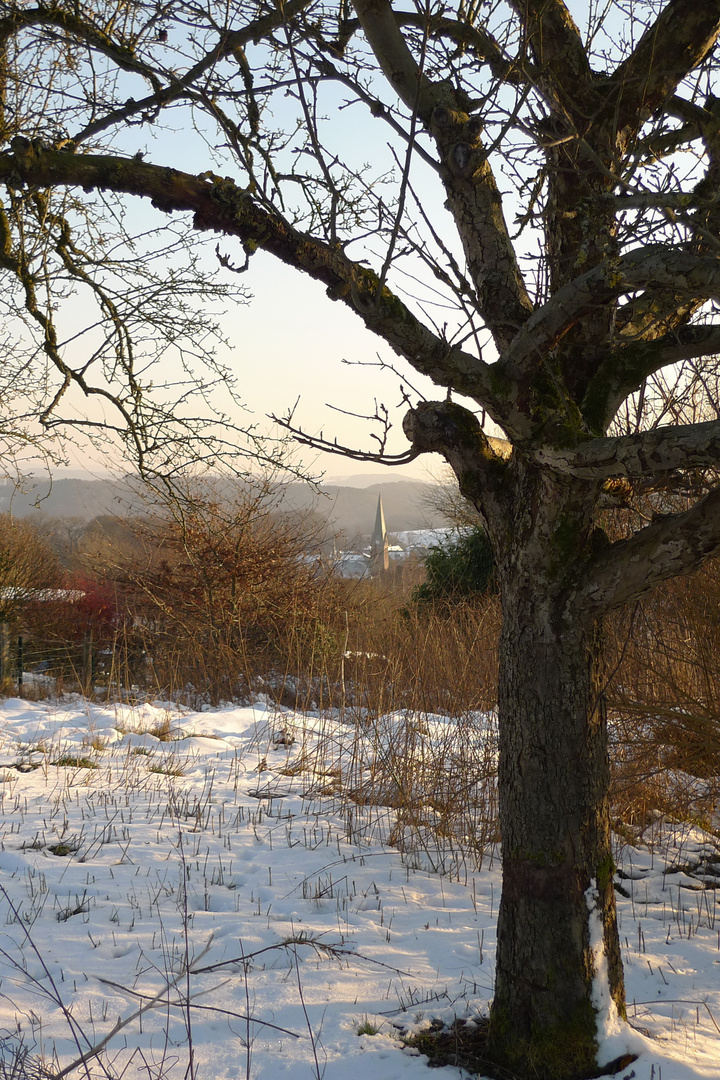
221	585
663	697
461	568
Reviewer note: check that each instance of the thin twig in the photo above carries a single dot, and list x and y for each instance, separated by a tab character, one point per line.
318	1073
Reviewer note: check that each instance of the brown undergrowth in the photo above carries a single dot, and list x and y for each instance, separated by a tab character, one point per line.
218	601
664	702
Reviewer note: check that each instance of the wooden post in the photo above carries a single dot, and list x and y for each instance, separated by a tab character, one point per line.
5	671
87	665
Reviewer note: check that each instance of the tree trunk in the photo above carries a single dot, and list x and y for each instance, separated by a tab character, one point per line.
559	973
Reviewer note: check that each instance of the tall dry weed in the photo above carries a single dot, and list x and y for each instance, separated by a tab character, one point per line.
224	604
664	699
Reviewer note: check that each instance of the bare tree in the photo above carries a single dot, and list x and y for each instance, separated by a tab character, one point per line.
602	142
109	322
218	578
28	569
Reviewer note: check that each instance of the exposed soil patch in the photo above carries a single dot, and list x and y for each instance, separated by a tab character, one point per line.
464	1045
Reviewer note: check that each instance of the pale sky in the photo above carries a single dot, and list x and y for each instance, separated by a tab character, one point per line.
290	342
288	345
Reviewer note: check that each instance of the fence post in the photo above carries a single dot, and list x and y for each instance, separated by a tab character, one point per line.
87	664
20	663
5	671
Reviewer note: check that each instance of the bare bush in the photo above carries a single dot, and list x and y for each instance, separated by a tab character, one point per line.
216	588
27	567
664	698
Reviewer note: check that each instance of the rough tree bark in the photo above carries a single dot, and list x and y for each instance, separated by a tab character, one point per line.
579	124
552	980
554	772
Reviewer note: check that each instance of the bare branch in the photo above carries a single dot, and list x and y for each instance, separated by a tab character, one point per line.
474	37
626	368
332	446
479	463
81	28
646	454
219	204
472	190
397	62
676	43
660	266
672	545
175	88
563	69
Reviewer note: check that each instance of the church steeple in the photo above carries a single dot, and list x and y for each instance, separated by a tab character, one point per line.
379	552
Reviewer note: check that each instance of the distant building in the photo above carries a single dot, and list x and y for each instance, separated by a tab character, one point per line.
377	558
352	564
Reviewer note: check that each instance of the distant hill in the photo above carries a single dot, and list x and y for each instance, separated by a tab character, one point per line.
70	497
367	479
350	510
407	505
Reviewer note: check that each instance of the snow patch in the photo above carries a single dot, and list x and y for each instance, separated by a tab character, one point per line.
605	1007
266	859
615	1037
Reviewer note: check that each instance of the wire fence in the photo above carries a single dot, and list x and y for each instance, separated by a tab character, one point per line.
28	660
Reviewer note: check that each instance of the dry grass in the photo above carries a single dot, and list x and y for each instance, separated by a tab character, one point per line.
664	698
222	609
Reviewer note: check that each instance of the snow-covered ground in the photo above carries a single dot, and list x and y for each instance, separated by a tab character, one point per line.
222	867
